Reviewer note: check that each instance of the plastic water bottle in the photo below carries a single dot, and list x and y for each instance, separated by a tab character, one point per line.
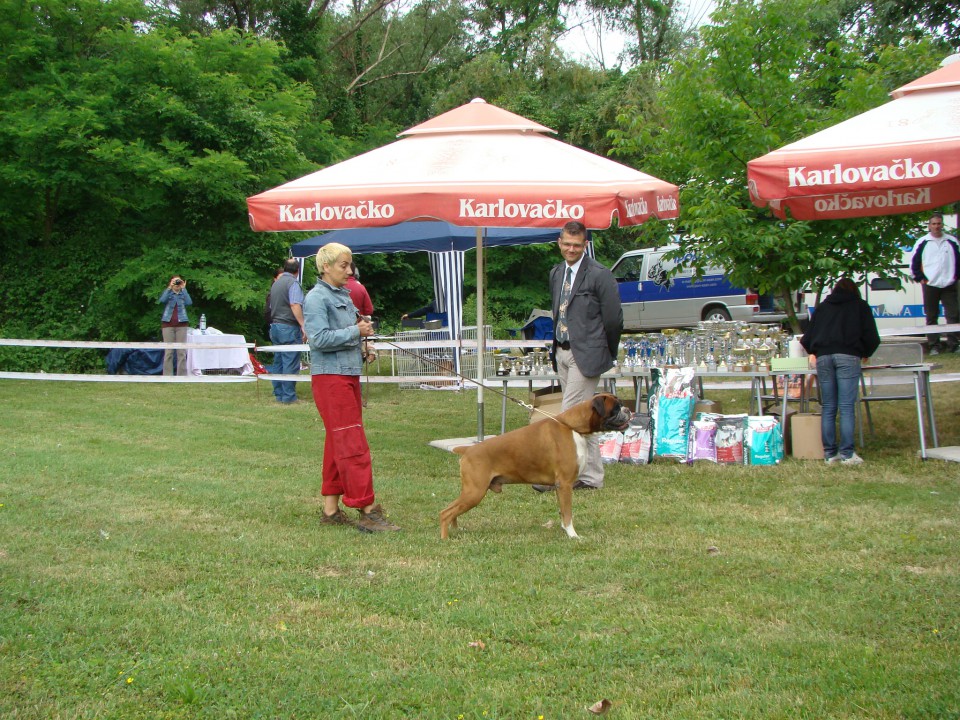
203	324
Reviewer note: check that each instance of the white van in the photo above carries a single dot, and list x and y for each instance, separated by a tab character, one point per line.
655	294
895	298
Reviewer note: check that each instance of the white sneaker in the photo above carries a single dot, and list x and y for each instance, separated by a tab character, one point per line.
833	460
852	460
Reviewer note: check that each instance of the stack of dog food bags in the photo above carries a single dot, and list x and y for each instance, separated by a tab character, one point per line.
736	439
675	403
764	440
728	433
637	441
610	444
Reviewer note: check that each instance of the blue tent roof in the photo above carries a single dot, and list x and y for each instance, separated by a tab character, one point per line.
422	236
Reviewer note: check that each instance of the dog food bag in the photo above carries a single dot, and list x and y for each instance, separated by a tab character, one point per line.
637	441
653	399
764	440
672	428
729	439
678	383
703	441
610	444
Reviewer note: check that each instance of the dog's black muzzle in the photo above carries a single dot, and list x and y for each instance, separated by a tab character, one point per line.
619	419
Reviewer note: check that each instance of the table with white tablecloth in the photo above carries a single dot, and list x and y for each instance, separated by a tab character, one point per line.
217	358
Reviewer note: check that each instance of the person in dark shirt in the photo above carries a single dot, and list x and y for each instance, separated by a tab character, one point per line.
286	328
841	334
266	305
588	322
421	312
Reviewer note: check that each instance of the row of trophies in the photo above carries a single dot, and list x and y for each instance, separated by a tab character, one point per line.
536	363
713	346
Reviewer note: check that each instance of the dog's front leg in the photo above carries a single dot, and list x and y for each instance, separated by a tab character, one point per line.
565	499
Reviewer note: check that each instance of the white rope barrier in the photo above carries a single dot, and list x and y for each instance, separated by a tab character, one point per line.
380	346
385	344
83	377
96	345
395	379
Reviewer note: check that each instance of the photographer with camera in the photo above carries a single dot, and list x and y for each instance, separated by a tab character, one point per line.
174	323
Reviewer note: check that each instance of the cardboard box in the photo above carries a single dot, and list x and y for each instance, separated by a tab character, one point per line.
707	406
805	436
548	399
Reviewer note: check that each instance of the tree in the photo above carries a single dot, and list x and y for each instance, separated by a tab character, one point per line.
127	157
886	22
758	80
655	29
516	30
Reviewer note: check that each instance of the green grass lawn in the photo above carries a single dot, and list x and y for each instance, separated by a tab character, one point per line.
160	557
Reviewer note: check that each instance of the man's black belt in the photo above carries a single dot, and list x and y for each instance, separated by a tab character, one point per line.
565	345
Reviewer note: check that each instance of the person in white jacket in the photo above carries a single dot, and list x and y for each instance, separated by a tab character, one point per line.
936	265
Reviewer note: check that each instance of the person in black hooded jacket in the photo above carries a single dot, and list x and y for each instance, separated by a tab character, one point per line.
840	335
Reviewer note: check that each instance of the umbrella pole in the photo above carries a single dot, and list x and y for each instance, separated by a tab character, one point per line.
481	340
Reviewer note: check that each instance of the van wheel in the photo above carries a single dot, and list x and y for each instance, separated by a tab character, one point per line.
716	313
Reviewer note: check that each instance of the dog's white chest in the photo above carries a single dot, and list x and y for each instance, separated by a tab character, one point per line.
580	443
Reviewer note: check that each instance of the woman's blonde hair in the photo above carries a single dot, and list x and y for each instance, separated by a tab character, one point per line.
330	253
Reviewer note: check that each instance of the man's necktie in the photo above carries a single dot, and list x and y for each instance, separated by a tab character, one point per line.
563	335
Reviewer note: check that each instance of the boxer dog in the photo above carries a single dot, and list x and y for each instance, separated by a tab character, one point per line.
550	452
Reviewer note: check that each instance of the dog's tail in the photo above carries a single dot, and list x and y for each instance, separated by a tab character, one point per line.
461	449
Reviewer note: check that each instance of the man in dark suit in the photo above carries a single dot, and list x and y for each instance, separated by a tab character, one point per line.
587	321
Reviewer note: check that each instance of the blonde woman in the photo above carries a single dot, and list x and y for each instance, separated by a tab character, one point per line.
335	331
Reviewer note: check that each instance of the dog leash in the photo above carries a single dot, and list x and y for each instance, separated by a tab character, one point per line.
437	365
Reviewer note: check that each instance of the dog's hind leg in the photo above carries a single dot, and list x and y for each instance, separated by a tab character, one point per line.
448	516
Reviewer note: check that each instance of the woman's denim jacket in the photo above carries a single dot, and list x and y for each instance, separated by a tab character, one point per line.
180	300
330	319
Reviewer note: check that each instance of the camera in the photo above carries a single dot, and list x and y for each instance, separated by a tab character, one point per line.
178	281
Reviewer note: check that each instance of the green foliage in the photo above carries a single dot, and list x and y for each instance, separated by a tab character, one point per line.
654	30
887	22
515	283
519	31
761	78
137	151
397	283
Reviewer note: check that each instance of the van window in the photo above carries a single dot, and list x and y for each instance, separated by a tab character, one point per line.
885	283
629	268
656	292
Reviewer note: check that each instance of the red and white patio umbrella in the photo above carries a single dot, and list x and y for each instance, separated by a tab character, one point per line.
901	157
474	166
